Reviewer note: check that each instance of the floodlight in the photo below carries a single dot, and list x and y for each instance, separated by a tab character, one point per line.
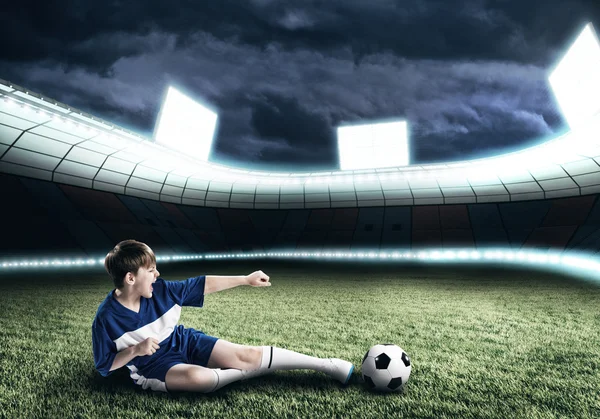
373	145
185	126
576	79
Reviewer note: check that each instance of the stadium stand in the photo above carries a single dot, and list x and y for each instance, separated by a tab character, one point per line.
50	219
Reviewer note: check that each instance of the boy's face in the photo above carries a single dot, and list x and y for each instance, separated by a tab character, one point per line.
144	278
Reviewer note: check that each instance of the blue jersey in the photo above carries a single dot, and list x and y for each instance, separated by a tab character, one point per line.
116	327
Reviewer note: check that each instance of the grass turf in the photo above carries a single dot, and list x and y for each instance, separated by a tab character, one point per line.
484	343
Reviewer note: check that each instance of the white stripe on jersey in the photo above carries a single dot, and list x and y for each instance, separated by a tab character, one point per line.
159	329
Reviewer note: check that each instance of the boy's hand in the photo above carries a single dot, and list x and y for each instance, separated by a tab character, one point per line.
258	279
147	347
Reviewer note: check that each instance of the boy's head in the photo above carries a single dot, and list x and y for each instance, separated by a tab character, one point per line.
128	256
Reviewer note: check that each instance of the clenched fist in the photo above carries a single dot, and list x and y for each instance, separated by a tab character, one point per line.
258	279
147	347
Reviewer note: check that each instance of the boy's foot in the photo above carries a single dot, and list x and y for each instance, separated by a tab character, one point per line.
340	370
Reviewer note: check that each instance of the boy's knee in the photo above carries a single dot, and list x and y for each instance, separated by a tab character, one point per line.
251	356
191	378
202	379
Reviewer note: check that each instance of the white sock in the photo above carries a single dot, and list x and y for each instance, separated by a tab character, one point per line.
222	377
274	359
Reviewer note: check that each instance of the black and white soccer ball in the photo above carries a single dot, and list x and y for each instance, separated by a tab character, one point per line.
386	367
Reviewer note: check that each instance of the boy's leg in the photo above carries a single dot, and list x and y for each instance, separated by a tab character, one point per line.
245	362
259	360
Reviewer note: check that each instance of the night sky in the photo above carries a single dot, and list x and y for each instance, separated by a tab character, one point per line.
469	76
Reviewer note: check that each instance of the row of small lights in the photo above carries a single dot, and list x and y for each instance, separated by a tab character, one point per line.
424	174
431	255
337	179
553	259
81	262
14	103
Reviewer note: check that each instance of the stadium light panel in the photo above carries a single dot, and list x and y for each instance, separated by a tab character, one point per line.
576	79
373	145
185	125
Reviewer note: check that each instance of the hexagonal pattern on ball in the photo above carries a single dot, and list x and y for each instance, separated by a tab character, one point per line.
395	384
386	367
398	369
381	378
393	351
377	350
382	361
406	359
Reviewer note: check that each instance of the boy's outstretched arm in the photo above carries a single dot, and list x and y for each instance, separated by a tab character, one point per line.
215	283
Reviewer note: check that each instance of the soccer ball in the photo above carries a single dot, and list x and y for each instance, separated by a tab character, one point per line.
386	367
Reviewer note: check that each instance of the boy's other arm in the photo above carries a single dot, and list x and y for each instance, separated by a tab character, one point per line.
215	283
147	347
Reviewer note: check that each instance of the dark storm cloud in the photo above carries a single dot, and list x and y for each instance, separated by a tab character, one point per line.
469	76
510	131
275	117
292	130
511	30
79	32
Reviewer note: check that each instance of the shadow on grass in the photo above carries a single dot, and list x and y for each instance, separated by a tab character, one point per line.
119	382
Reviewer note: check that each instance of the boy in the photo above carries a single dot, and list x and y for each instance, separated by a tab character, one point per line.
136	325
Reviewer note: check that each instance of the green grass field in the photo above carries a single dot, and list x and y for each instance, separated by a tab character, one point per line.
484	343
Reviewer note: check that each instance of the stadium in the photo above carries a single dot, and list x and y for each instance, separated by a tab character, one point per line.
485	271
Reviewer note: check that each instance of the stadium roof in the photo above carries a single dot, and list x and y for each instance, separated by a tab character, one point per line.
50	141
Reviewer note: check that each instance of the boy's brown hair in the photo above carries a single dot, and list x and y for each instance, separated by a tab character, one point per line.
127	256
